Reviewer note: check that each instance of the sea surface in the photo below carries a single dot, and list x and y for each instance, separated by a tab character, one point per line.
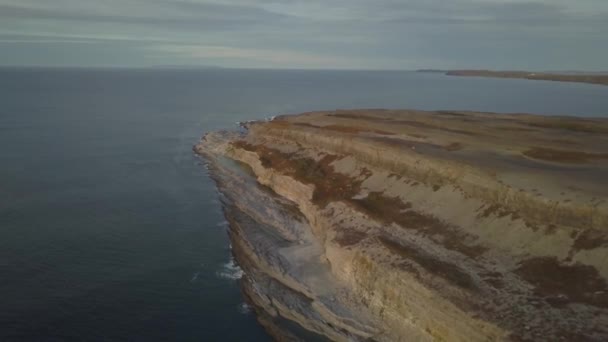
110	228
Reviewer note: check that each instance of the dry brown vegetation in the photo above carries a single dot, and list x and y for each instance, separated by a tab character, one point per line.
590	239
355	130
455	146
448	112
573	125
278	123
349	237
442	269
388	209
565	283
419	136
333	186
356	116
563	156
423	125
411	144
497	210
396	142
344	129
393	210
329	185
409	123
564	141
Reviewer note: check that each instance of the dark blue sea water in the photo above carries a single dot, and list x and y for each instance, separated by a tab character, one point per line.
110	229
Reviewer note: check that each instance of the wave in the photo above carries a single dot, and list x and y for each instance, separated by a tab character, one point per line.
230	270
245	308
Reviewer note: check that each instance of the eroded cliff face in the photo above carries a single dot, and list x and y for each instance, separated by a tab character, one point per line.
419	226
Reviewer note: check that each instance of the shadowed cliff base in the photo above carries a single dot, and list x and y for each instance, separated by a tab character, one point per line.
401	225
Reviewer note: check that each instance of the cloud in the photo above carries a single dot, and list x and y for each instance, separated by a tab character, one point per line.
277	57
179	15
259	57
316	33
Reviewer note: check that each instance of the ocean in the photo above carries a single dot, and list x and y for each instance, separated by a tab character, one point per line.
110	228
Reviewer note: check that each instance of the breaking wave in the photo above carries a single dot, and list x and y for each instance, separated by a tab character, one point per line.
230	270
244	308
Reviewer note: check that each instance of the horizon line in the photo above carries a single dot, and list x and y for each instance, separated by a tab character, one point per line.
212	67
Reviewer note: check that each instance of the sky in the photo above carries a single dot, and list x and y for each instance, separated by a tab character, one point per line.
313	34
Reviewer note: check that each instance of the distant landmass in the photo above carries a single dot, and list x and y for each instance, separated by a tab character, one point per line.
432	71
570	76
187	67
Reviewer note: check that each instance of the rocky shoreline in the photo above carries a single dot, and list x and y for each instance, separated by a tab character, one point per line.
400	225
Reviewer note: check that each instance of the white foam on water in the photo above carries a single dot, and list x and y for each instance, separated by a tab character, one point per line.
244	308
230	270
222	224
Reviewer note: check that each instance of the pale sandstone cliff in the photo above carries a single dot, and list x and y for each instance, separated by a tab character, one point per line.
420	226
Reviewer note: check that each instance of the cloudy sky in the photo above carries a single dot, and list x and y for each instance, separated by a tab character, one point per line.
346	34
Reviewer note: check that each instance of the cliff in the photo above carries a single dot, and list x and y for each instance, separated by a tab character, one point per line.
397	225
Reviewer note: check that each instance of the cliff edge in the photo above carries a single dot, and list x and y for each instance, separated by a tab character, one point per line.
403	225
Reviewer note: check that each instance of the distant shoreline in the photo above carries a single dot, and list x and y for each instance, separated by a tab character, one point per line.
591	78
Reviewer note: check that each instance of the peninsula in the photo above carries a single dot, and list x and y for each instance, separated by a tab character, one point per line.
593	78
404	225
